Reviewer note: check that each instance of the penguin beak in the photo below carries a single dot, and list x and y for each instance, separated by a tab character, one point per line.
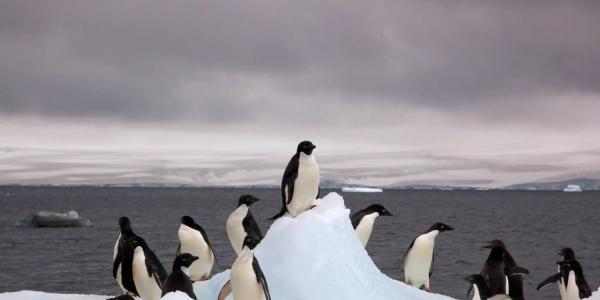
194	258
450	228
313	147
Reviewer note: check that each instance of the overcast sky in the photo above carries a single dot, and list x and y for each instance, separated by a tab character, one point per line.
484	93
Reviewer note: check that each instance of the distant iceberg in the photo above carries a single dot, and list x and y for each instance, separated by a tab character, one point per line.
361	190
572	188
54	219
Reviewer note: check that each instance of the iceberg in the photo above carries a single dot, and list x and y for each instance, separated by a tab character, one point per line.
54	219
572	188
361	190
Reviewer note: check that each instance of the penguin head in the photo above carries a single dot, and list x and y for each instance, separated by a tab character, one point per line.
249	242
184	260
125	225
440	227
567	253
494	244
378	208
305	147
188	221
247	199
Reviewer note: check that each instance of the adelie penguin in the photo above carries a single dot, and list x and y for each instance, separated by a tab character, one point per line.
193	240
513	282
481	290
125	232
179	279
561	276
300	182
141	272
241	223
364	219
577	287
247	279
419	257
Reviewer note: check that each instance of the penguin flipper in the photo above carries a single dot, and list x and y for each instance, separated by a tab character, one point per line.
554	278
225	291
116	263
432	262
260	277
154	267
178	252
407	251
584	289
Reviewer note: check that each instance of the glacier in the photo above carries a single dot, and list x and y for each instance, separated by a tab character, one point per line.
314	256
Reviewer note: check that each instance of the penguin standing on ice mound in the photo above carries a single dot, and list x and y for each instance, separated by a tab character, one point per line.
193	240
125	232
179	279
419	257
577	287
561	276
300	182
363	221
241	223
142	273
247	279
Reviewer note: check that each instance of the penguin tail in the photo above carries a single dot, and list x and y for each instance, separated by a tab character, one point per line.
278	215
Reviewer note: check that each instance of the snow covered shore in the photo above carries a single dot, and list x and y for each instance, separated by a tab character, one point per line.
314	256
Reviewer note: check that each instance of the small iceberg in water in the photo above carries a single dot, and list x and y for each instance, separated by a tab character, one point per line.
572	188
361	190
54	219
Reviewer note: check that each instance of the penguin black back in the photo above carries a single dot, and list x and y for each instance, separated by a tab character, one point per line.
178	280
582	285
493	270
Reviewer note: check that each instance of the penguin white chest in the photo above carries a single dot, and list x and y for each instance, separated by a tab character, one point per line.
572	289
476	293
235	228
193	242
145	284
418	260
365	227
119	280
244	284
306	185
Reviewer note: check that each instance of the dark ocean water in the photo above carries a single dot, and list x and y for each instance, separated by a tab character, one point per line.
534	225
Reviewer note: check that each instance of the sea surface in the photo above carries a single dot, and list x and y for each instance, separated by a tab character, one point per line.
534	226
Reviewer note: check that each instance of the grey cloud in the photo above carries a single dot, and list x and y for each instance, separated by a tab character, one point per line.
131	61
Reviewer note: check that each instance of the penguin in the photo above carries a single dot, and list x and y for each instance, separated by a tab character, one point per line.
481	291
142	273
419	257
241	223
577	287
300	182
493	270
514	281
248	282
193	240
125	232
363	221
179	279
561	276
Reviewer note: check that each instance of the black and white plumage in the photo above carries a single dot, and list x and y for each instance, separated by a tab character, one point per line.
493	270
122	297
364	219
562	275
481	290
247	280
513	272
142	274
179	279
125	232
241	223
419	257
194	240
300	181
577	286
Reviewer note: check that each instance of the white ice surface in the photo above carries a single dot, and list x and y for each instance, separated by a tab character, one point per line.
314	256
